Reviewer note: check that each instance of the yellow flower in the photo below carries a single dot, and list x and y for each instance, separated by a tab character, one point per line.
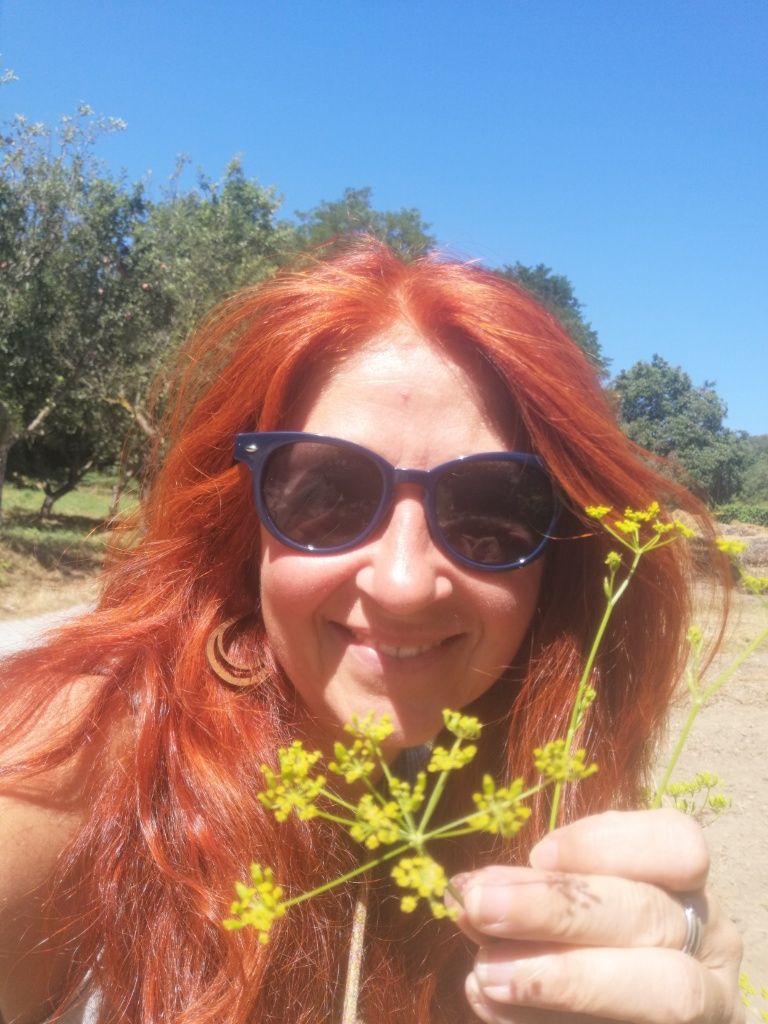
353	762
597	511
555	762
376	823
370	727
731	547
259	904
464	727
683	530
499	810
443	760
426	878
409	798
292	788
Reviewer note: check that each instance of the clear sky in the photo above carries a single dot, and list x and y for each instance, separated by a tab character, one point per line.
623	143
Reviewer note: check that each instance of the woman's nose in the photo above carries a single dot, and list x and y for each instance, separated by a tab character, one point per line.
404	571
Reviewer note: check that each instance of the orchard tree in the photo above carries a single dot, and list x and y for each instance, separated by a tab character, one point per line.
213	238
555	293
403	230
660	408
79	312
755	485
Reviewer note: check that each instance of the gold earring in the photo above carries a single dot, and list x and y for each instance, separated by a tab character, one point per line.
226	670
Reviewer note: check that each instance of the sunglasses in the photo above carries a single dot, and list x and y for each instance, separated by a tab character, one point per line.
492	511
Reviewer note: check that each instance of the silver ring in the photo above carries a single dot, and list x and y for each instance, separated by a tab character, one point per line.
694	927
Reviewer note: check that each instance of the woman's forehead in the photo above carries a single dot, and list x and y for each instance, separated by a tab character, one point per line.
401	366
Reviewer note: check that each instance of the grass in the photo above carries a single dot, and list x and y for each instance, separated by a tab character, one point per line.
72	538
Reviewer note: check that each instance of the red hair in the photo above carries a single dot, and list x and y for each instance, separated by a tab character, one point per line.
174	818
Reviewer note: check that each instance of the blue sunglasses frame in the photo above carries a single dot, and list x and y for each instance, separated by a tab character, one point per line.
253	449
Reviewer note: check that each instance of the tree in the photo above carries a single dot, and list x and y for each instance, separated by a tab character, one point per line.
660	408
403	231
212	239
755	483
555	293
78	306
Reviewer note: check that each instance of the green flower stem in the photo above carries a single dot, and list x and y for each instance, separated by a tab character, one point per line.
347	822
446	831
331	795
699	699
388	776
368	866
613	598
437	792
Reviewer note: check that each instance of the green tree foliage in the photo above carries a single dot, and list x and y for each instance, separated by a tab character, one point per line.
755	484
212	239
404	230
555	293
78	311
661	409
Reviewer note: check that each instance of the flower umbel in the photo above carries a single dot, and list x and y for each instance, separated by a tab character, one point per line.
500	810
426	878
259	904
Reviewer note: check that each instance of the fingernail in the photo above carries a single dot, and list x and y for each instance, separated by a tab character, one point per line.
492	973
459	882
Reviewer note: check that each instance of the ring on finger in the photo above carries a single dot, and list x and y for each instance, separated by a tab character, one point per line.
694	926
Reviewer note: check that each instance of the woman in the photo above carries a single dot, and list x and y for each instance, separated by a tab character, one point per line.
134	739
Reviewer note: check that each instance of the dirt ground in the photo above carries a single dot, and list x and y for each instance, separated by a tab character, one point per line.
729	738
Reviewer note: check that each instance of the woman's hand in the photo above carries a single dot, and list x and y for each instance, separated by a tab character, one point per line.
594	929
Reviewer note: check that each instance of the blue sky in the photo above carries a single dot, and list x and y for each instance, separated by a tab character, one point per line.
623	144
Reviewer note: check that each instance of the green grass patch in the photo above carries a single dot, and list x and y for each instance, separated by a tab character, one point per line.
72	537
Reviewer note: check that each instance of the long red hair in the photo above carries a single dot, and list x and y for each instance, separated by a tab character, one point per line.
174	817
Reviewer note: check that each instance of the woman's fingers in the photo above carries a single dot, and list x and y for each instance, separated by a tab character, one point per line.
595	929
645	986
574	910
663	847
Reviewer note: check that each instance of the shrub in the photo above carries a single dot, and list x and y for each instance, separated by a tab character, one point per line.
743	512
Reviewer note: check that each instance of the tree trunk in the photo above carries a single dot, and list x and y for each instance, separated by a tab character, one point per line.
5	447
52	494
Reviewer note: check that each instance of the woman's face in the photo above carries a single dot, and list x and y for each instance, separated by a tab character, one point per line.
394	626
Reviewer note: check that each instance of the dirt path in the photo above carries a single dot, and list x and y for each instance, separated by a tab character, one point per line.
729	739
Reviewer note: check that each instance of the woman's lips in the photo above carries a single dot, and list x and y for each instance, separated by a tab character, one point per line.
394	648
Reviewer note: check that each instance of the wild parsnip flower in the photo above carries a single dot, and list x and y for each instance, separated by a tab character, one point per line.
597	511
353	762
557	763
748	992
292	788
258	905
694	636
376	823
371	728
696	796
499	809
683	530
409	798
427	880
613	560
756	584
642	515
731	547
443	760
463	727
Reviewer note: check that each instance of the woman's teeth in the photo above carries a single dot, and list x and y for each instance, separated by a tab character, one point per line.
405	652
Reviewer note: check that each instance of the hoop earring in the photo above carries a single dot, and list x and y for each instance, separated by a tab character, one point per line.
226	670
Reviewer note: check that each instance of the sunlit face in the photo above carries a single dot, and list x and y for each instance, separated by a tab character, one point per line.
394	625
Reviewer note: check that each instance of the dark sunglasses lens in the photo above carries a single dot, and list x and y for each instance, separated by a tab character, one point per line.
320	495
494	511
